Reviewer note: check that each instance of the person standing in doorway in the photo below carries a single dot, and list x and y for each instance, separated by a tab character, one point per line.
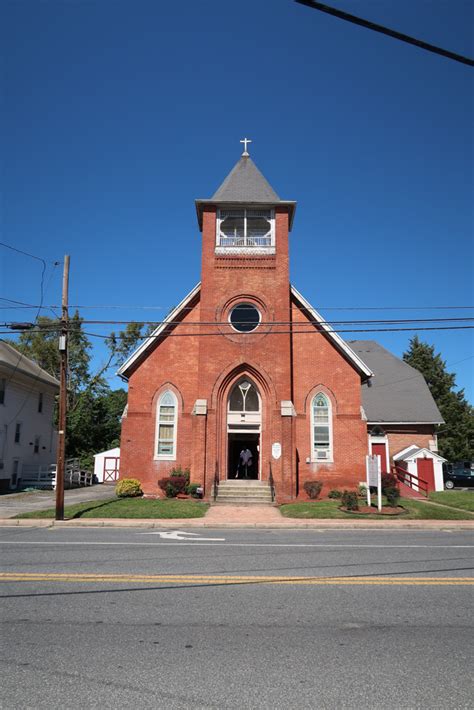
245	463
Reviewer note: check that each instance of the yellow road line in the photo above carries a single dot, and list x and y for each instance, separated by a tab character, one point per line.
227	579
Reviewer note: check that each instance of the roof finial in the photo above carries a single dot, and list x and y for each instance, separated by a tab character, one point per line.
245	154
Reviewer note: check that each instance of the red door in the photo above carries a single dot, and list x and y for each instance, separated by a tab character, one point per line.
425	470
381	450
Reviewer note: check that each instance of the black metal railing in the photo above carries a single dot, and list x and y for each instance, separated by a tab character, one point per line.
271	482
216	483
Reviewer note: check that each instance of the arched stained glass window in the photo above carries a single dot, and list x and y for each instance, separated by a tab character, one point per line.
166	425
321	428
244	398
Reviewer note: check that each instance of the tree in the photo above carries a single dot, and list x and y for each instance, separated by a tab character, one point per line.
456	435
41	345
94	410
94	423
122	344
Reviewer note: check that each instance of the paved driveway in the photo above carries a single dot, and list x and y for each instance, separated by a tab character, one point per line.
13	504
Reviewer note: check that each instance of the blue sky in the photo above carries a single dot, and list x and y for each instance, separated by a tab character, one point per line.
116	115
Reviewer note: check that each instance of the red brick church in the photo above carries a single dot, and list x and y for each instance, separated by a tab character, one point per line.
258	386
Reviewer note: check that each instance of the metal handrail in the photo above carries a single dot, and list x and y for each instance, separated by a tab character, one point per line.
414	482
216	483
271	481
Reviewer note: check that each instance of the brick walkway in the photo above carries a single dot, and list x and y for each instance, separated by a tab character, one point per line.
251	514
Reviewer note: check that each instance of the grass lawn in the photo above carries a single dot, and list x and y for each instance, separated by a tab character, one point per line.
330	509
127	508
457	499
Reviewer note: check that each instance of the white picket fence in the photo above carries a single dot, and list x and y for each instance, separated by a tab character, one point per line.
45	476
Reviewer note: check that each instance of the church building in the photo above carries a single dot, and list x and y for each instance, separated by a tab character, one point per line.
245	379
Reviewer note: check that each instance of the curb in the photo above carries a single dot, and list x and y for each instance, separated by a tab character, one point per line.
290	524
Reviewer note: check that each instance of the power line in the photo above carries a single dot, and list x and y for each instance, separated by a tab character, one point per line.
386	31
22	304
26	253
40	306
414	377
330	323
292	331
21	327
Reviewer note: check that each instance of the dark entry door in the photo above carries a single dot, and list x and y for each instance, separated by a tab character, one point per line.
236	467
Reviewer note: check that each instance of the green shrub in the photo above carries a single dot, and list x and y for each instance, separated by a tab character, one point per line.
362	490
335	493
350	500
392	495
192	489
390	489
172	485
179	472
313	488
128	488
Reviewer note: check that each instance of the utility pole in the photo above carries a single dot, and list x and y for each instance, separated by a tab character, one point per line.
60	465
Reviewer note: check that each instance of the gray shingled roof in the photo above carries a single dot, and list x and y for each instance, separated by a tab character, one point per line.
245	185
14	361
398	392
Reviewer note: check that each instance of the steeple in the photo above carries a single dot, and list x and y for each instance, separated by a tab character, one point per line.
245	185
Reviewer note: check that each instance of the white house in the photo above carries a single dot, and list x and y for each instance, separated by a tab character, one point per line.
27	434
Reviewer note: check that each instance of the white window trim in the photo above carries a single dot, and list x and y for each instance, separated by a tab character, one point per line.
381	439
249	249
166	457
330	449
244	332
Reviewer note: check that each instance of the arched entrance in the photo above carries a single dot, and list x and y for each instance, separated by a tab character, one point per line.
244	422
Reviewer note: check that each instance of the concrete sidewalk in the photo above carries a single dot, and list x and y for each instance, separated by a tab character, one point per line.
255	516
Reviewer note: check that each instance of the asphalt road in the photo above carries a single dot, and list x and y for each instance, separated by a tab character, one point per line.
259	619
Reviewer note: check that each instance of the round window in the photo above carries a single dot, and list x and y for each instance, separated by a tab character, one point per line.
244	317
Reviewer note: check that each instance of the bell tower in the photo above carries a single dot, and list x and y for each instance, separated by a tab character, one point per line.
245	301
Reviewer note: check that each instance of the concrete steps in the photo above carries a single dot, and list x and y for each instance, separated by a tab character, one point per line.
242	492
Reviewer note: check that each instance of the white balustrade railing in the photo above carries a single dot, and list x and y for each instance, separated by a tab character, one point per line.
45	476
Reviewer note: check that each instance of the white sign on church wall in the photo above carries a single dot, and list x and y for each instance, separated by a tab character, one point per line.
276	450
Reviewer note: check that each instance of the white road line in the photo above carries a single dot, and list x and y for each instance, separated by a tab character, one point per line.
165	543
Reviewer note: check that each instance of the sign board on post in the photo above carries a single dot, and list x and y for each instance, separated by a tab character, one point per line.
374	478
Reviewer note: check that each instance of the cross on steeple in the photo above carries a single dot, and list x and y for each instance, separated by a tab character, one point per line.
245	141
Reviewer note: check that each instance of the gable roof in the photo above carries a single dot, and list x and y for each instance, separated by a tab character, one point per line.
245	185
16	362
414	452
398	393
340	344
139	353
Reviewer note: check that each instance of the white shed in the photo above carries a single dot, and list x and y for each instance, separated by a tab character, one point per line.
107	466
423	464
